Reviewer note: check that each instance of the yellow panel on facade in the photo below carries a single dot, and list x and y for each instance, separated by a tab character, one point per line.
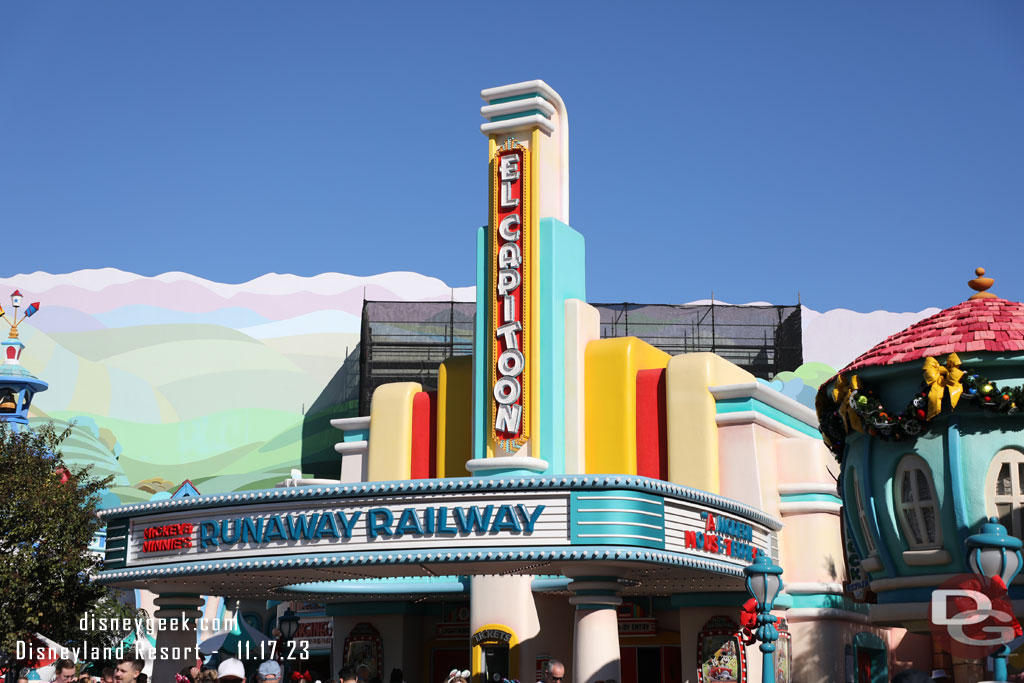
390	456
454	416
690	409
611	367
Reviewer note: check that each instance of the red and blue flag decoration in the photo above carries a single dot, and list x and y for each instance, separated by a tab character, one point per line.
32	308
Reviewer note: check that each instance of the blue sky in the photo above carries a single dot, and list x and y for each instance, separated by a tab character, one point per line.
866	154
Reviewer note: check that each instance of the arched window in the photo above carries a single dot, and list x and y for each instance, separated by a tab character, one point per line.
917	506
862	516
1005	486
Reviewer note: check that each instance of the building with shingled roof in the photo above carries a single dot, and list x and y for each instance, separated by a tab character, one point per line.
928	429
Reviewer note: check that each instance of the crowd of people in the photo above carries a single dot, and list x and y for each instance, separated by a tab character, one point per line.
129	670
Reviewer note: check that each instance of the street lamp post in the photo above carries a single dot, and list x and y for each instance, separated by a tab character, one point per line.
993	553
764	581
289	625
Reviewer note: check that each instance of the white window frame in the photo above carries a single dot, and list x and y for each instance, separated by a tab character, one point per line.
1012	457
865	527
908	466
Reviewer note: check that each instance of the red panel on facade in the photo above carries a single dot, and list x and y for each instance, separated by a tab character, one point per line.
651	424
424	435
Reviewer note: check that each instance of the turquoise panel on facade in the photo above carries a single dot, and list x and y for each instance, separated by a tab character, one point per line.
809	498
519	115
515	98
828	601
737	405
613	517
562	276
355	435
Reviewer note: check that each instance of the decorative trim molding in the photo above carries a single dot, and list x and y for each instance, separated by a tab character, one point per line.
535	103
872	563
507	462
809	507
362	490
520	123
351	423
744	417
766	394
418	557
352	447
926	558
809	487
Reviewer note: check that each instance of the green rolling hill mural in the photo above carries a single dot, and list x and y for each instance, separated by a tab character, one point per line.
233	386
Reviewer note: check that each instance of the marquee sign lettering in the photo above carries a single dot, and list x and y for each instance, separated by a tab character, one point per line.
521	515
422	521
724	536
510	269
167	537
379	523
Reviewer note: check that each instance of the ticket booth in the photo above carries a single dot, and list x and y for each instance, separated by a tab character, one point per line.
495	653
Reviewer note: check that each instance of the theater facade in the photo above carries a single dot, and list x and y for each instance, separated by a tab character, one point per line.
559	496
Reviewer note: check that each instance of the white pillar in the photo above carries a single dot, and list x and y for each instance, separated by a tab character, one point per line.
595	655
180	610
507	601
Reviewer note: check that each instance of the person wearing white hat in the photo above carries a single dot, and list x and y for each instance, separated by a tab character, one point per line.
940	675
231	671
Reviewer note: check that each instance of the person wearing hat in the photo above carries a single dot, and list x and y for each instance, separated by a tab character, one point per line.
231	671
269	672
941	675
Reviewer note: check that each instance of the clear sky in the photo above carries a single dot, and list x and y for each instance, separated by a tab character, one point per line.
865	154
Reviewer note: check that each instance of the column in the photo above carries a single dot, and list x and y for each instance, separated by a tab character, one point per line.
595	655
506	603
180	612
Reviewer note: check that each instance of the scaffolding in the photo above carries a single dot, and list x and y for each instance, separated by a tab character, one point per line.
403	341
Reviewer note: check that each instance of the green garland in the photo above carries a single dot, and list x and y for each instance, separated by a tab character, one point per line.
879	422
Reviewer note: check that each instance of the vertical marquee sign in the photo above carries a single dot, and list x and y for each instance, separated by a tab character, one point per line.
509	266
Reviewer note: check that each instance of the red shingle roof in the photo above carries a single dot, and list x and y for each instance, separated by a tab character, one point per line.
969	327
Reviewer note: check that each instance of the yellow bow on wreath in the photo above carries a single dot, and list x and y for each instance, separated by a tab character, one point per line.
841	395
939	379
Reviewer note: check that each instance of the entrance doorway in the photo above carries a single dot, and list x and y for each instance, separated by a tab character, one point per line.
444	659
869	654
650	664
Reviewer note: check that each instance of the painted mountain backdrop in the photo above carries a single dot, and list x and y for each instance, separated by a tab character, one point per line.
174	377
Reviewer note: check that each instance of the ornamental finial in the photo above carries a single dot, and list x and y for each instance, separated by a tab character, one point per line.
980	284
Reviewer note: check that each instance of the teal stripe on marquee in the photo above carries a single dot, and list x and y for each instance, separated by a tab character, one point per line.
599	500
615	517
